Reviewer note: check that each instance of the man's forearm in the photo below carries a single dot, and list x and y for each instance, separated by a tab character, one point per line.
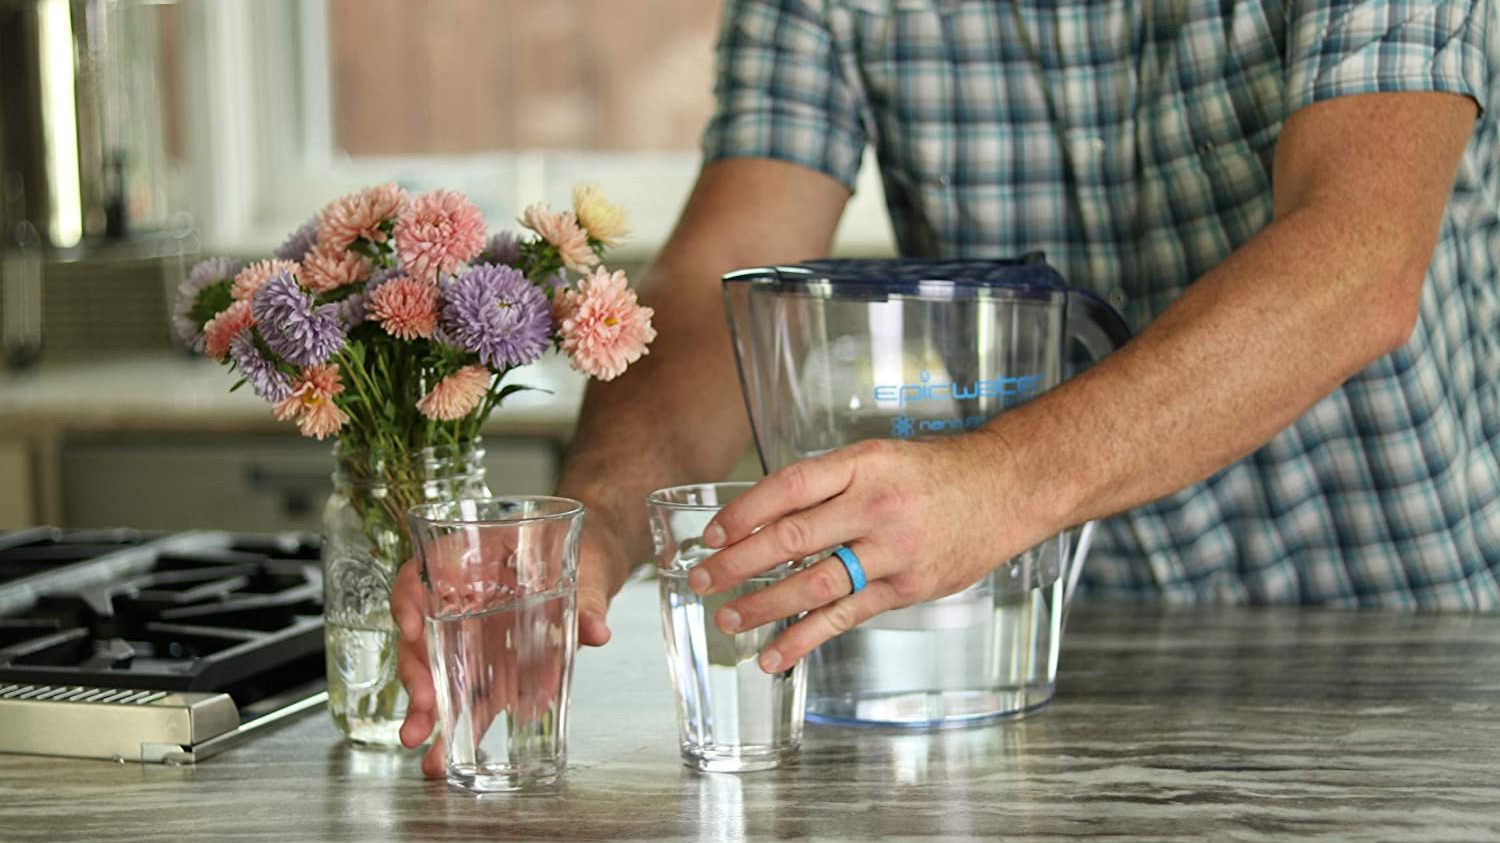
1245	351
1327	288
677	415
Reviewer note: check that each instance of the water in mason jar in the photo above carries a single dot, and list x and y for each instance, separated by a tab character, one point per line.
364	698
732	715
988	651
501	678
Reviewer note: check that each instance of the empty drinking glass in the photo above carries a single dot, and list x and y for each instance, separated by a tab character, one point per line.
731	716
500	586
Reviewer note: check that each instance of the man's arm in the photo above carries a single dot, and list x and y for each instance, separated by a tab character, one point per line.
677	416
1332	284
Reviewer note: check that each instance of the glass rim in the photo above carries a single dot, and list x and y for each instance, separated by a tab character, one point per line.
656	498
425	513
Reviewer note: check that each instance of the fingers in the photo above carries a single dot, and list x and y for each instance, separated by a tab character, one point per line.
819	585
411	666
798	486
597	581
795	536
826	622
433	764
416	728
406	601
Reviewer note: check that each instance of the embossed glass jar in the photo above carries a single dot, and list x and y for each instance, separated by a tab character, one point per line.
365	541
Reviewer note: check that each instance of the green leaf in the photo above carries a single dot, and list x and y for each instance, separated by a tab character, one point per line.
237	384
507	391
211	301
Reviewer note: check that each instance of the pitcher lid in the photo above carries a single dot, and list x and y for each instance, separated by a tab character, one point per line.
1028	273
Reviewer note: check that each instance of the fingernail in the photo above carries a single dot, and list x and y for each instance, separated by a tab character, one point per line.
729	620
714	535
699	580
770	661
409	631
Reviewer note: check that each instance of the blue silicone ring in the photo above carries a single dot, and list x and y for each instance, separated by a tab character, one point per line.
851	564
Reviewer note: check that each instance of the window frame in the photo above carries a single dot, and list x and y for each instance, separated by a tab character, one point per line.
262	157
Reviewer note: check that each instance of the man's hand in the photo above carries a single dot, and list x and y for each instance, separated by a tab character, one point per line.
601	569
926	518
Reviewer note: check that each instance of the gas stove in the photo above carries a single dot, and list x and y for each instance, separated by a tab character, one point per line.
157	648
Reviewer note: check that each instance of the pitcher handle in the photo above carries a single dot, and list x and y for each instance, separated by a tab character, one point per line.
1076	557
1094	323
1101	330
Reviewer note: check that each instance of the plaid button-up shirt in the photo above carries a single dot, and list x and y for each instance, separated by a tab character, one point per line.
1132	142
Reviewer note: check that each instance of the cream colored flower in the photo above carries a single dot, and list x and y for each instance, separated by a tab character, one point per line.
603	220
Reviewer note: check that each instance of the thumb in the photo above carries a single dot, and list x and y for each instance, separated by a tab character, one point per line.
595	586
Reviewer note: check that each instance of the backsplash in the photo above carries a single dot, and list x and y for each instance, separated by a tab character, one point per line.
94	306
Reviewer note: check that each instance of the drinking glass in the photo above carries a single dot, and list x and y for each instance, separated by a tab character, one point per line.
500	588
731	716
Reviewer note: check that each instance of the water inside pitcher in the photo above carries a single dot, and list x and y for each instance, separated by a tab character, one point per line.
832	352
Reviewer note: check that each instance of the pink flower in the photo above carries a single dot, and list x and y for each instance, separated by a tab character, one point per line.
251	277
322	419
311	402
222	329
456	395
405	307
359	215
563	232
603	328
437	232
328	268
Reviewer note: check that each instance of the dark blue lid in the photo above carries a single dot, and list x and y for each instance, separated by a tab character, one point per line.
1029	273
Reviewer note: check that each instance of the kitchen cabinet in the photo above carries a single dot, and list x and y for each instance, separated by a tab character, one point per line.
16	506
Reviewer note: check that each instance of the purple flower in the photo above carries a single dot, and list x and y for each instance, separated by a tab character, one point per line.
496	313
204	274
299	242
503	248
351	311
292	327
259	372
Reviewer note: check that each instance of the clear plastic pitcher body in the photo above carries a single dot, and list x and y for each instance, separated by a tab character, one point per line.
834	352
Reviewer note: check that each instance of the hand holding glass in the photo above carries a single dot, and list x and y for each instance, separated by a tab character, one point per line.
499	582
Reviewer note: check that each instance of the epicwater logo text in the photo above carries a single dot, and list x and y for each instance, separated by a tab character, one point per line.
1011	390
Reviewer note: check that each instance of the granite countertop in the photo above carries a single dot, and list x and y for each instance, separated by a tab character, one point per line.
1169	724
174	392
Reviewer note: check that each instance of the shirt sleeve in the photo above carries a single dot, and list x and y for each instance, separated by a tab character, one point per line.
781	91
1340	47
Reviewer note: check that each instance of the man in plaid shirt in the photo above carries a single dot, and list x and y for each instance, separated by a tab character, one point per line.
1296	205
1293	203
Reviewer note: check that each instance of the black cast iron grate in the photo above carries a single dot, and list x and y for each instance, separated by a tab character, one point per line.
189	612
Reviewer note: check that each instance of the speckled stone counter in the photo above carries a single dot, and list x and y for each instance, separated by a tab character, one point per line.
1169	724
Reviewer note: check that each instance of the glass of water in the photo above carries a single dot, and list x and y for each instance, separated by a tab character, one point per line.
731	716
500	587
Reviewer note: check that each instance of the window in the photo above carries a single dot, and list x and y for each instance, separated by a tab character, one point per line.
510	101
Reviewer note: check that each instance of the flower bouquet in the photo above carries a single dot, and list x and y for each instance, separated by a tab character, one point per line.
390	322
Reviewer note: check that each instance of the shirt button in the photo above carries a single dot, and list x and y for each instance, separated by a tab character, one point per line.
1116	297
945	180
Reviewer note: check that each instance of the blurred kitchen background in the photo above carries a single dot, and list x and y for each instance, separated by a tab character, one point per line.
139	135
